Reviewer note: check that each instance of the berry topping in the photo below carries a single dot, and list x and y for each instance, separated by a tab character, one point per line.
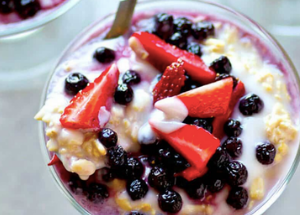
107	174
74	83
219	160
161	54
137	189
171	82
237	198
194	48
196	189
163	25
134	168
215	183
233	128
97	192
179	40
6	6
237	173
131	77
205	101
265	153
160	179
104	55
27	8
182	25
123	94
76	185
233	146
108	137
203	123
117	157
202	30
83	110
221	65
224	75
170	201
250	104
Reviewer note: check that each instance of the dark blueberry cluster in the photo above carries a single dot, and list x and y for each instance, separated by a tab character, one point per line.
163	25
123	94
265	153
74	83
183	25
250	104
170	201
221	65
233	128
233	146
224	76
104	55
108	137
200	122
137	189
189	84
24	8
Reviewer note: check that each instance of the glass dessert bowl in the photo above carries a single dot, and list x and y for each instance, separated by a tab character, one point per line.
18	16
181	115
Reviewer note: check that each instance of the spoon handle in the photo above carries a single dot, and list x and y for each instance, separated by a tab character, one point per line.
123	18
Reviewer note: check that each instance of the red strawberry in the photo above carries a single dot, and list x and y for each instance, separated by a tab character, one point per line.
171	82
219	121
192	173
161	54
83	110
54	160
194	143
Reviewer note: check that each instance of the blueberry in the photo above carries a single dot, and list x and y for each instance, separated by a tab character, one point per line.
76	185
237	198
74	83
250	104
202	30
170	201
108	137
27	8
189	84
117	157
123	94
237	173
97	192
179	40
163	25
135	213
107	174
182	25
265	153
194	48
221	65
160	179
6	6
233	146
219	160
232	128
181	182
104	55
134	168
131	77
137	189
224	76
215	183
197	189
205	123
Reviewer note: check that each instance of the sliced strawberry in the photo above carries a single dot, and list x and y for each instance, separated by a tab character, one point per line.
194	143
171	82
161	54
54	160
192	173
219	121
83	110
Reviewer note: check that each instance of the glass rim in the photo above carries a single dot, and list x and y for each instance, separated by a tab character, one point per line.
280	187
39	22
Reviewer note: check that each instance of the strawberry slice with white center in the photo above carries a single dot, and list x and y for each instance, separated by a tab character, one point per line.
89	109
219	121
210	100
161	54
171	81
194	143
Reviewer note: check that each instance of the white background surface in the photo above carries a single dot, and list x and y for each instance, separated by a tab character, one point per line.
26	186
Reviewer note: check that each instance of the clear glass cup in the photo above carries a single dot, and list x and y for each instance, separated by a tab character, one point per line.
31	24
280	57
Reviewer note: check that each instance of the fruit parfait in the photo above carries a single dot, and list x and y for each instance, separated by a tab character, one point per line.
14	13
187	113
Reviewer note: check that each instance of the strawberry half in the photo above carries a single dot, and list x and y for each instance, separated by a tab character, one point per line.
219	121
83	110
161	54
54	160
171	81
194	143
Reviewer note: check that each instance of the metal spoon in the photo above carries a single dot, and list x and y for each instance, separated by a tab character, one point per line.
123	18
